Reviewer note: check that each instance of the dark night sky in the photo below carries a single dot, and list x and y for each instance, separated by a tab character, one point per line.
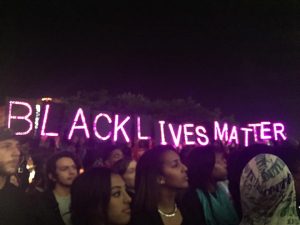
240	56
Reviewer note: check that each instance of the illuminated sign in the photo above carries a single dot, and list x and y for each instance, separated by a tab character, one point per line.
104	126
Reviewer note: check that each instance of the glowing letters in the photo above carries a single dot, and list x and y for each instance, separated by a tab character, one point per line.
109	120
162	132
188	133
139	132
221	135
120	127
279	131
176	138
201	133
106	127
79	127
45	122
233	135
246	131
26	117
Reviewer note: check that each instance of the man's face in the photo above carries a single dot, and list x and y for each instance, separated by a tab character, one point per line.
9	157
66	171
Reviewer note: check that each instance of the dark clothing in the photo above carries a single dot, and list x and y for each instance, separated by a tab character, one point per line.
47	210
193	207
144	218
14	206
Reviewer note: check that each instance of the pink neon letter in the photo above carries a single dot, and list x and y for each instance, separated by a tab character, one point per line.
188	133
139	133
201	132
120	127
234	135
246	130
163	138
264	130
95	126
26	117
80	127
279	131
45	122
220	135
176	138
254	126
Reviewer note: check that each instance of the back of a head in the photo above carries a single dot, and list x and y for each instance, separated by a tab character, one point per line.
90	195
267	192
236	163
200	164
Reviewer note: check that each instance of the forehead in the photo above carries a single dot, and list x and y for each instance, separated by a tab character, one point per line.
65	161
170	156
9	141
116	180
115	151
132	164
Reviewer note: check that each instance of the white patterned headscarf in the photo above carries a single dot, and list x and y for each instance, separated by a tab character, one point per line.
268	195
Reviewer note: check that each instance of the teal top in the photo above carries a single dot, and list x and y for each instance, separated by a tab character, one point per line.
217	207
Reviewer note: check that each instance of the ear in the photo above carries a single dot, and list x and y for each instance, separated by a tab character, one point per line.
161	180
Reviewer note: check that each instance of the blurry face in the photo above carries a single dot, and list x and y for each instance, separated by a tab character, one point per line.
219	172
66	171
116	155
129	175
9	157
119	203
174	171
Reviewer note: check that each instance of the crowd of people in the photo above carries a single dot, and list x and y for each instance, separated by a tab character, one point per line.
79	183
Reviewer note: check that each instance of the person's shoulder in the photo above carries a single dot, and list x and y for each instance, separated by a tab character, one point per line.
191	208
145	218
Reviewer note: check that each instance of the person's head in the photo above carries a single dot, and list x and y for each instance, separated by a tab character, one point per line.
267	192
99	197
207	165
112	154
126	167
237	160
9	153
158	168
62	169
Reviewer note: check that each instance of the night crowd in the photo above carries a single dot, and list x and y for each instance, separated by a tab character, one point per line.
78	182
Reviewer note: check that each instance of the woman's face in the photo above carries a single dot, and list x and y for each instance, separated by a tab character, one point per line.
219	172
115	156
119	203
129	175
174	171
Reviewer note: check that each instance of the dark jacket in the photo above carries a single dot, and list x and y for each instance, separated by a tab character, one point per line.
14	206
192	207
46	209
144	218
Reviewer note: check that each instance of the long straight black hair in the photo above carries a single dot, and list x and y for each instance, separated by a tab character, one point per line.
200	163
90	196
149	168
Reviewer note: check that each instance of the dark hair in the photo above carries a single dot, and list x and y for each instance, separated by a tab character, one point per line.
200	164
51	165
90	196
149	167
121	166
